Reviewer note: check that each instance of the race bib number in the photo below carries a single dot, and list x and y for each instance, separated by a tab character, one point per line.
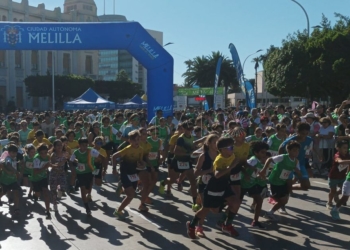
29	165
133	177
235	177
96	172
152	155
206	178
183	165
342	167
81	167
285	174
106	139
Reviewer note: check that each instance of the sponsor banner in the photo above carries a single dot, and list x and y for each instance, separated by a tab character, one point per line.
199	91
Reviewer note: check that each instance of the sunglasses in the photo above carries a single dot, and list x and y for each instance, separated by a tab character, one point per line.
229	148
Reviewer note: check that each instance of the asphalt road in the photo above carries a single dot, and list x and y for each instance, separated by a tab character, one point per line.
307	226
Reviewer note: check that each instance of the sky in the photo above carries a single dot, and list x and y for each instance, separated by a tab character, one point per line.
198	27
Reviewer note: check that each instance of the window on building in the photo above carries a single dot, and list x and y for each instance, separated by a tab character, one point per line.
18	59
2	58
70	8
88	65
19	97
35	60
15	19
66	63
4	18
87	7
49	61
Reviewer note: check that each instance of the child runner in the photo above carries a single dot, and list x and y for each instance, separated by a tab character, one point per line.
154	157
58	178
100	162
277	139
81	162
27	168
204	167
9	177
182	163
41	163
131	160
285	164
255	187
217	191
40	138
345	194
337	173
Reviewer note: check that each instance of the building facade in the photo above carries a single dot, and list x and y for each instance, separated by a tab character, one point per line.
16	65
113	61
265	98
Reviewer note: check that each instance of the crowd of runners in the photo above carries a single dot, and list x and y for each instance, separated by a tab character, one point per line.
265	153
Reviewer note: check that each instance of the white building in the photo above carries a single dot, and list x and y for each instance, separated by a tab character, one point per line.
265	98
113	61
16	65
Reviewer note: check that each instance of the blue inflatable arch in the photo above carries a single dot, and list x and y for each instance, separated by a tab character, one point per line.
130	36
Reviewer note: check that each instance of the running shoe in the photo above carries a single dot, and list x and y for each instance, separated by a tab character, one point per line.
335	214
219	224
161	188
230	230
191	232
257	224
48	215
88	211
199	232
270	216
271	200
143	208
329	206
119	215
282	210
196	207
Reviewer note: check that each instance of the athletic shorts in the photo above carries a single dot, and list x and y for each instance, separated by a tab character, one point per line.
333	183
129	180
39	186
346	188
215	199
176	168
85	180
12	186
303	171
170	158
279	191
254	190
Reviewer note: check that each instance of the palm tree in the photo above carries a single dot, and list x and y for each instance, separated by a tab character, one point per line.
257	61
201	71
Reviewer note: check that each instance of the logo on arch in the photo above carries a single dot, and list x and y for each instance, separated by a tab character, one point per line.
149	50
12	34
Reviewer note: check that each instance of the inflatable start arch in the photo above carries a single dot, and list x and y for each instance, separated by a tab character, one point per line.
130	36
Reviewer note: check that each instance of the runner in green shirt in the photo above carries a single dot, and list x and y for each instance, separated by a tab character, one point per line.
255	187
284	166
27	167
41	163
82	163
9	176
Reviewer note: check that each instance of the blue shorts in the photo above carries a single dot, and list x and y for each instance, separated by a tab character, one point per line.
304	174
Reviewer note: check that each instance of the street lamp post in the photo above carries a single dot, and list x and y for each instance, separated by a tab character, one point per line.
248	57
307	17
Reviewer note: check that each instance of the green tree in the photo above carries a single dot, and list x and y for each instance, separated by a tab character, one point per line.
312	67
201	71
122	88
66	86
